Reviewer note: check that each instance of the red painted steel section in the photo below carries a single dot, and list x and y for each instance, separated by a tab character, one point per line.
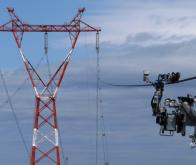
18	27
33	155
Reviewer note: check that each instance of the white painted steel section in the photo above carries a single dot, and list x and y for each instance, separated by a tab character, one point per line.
55	92
56	136
67	58
44	98
34	137
24	60
22	55
36	92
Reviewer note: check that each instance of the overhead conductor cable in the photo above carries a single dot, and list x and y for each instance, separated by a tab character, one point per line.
14	113
97	97
99	112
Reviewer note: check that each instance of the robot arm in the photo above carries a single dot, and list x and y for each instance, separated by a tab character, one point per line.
171	121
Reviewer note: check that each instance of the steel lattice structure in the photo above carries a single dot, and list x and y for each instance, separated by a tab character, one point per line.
45	142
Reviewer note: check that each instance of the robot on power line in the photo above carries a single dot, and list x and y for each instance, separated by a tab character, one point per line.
174	115
181	112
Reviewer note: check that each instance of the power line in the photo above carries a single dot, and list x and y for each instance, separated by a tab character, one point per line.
9	101
62	150
46	53
21	86
97	99
14	113
100	121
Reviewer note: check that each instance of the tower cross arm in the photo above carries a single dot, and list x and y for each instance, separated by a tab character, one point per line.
75	25
47	28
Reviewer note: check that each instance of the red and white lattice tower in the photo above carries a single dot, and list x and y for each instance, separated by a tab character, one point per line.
45	143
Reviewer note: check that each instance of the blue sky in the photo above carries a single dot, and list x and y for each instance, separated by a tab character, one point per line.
158	35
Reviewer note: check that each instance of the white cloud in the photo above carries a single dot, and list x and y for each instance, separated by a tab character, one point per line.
121	19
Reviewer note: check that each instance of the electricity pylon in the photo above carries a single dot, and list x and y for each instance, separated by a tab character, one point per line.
45	141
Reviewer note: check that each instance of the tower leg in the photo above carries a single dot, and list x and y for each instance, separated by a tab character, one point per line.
45	143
